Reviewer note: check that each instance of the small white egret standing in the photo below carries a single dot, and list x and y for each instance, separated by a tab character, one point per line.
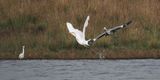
79	35
21	55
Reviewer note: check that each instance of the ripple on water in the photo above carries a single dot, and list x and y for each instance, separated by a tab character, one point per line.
80	69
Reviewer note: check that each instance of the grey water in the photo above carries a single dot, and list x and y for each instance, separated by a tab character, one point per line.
147	69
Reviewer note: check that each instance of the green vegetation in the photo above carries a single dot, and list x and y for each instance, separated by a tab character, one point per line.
41	27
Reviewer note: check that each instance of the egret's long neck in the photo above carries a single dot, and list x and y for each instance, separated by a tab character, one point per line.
23	50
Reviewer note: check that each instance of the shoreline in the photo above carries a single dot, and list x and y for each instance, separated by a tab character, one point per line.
89	54
85	59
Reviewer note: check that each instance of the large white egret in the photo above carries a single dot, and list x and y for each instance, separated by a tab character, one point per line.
79	35
21	55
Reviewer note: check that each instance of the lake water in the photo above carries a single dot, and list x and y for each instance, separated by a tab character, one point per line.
148	69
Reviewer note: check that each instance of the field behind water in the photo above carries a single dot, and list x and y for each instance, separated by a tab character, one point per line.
40	25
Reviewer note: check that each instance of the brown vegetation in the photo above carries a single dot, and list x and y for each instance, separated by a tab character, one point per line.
40	25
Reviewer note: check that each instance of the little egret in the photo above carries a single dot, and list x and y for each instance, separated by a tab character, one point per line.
21	55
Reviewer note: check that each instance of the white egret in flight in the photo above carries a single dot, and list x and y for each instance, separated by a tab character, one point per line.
21	55
79	35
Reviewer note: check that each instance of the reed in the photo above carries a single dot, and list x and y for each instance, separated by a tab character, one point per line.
40	25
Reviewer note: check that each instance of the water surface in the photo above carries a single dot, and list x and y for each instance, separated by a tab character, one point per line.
80	69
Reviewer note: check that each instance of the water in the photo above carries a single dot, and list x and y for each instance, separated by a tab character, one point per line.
80	69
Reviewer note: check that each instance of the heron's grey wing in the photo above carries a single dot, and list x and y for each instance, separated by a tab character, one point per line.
107	32
127	23
100	35
116	28
119	27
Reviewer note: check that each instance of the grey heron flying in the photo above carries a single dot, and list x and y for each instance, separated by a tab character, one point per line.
111	30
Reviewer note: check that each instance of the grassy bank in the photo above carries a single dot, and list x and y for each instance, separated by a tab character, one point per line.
40	25
93	53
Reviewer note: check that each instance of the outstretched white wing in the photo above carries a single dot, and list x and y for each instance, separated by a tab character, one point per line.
75	32
86	22
85	26
70	27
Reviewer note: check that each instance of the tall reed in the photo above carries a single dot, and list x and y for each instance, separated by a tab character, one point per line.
41	24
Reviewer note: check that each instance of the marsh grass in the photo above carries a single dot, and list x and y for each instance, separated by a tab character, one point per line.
41	27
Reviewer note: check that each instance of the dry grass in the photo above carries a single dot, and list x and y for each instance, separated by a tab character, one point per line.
37	23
